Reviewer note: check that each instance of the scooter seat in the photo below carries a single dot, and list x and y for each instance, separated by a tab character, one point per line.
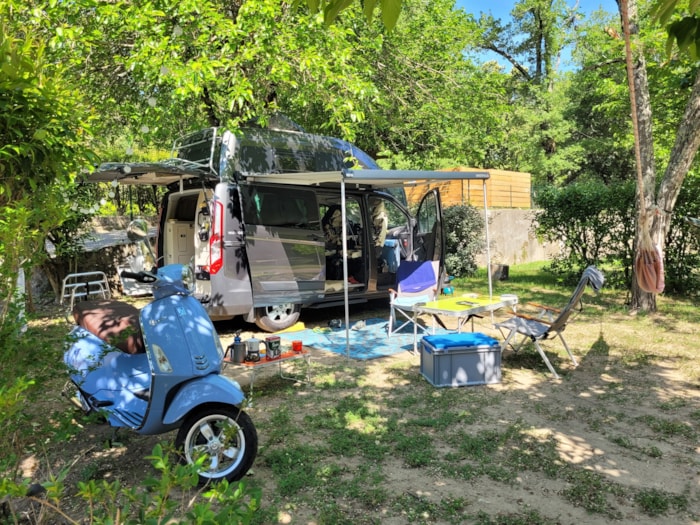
115	322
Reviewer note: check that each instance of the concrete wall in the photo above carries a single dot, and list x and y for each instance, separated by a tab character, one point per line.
513	240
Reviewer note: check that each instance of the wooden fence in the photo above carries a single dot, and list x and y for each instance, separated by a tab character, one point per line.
504	189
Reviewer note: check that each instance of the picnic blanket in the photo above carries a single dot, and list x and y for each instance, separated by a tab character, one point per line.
369	339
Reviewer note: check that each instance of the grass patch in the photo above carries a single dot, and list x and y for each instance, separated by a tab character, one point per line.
527	517
667	427
346	450
297	468
418	509
591	491
416	450
656	502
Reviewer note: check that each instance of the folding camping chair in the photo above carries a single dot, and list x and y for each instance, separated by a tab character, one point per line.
417	282
550	321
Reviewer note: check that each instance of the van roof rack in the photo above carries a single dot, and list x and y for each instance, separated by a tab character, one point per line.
200	147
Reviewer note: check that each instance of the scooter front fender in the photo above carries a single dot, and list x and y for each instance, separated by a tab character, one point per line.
201	391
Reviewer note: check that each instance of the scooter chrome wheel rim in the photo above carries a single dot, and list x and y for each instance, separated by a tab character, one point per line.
219	440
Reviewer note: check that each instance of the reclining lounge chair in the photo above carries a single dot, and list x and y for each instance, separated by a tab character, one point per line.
549	322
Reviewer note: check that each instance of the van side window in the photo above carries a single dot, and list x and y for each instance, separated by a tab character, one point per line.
280	207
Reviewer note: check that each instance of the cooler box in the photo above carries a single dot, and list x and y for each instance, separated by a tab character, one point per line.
464	359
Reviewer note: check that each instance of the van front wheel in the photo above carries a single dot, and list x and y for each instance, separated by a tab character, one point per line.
277	317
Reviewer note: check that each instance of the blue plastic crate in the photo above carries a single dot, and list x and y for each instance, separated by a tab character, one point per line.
464	359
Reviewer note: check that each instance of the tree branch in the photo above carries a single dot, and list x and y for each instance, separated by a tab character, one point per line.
510	59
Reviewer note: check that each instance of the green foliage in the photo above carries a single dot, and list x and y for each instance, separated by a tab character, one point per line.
390	9
591	220
192	64
682	25
655	502
682	257
161	500
451	111
464	228
43	137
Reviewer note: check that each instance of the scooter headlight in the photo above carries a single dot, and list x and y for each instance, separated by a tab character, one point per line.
188	277
161	359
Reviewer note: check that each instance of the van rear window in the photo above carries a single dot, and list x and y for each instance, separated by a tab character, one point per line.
186	208
280	207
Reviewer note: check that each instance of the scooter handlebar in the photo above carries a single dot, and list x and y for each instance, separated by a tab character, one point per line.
142	277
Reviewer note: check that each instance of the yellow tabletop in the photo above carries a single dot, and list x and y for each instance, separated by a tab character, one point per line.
463	307
466	305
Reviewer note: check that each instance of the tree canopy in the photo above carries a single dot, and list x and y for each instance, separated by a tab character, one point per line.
406	80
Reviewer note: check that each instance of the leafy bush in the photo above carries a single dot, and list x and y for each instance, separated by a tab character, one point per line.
595	223
464	228
170	497
682	257
591	220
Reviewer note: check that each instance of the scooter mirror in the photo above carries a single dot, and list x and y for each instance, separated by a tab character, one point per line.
137	230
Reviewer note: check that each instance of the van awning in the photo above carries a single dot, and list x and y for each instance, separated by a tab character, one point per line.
371	178
165	173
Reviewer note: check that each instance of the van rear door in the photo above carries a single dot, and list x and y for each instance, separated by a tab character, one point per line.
146	173
284	244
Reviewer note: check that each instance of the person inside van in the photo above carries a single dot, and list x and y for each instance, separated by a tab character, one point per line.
332	224
380	225
380	222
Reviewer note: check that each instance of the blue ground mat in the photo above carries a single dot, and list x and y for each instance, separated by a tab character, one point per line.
368	342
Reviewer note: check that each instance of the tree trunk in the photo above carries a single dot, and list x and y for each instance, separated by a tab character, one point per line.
659	206
640	299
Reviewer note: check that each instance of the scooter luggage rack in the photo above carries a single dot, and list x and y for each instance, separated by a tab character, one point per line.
84	285
257	366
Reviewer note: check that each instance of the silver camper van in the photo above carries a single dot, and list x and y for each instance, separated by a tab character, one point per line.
258	213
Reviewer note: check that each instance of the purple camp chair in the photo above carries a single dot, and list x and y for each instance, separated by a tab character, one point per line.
417	283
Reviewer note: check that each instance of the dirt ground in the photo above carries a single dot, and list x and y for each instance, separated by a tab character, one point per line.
628	420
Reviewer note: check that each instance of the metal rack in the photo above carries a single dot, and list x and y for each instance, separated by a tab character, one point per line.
84	285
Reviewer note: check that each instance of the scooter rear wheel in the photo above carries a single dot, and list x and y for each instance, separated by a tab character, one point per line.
224	436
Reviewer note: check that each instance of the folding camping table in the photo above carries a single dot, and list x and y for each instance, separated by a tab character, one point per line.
254	367
464	308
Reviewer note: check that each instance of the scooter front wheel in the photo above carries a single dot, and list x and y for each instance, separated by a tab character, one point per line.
224	437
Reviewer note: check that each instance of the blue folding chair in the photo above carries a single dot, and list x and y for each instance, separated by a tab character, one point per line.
416	283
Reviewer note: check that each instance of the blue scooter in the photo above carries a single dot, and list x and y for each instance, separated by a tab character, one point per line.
159	369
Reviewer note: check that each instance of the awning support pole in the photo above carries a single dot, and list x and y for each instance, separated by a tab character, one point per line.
343	216
488	245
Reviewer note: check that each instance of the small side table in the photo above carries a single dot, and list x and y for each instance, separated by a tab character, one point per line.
253	368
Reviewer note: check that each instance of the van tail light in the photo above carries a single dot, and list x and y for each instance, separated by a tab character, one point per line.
216	240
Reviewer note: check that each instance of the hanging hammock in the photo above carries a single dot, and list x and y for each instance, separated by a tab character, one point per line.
648	263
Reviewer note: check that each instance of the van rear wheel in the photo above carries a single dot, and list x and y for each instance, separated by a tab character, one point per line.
277	317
